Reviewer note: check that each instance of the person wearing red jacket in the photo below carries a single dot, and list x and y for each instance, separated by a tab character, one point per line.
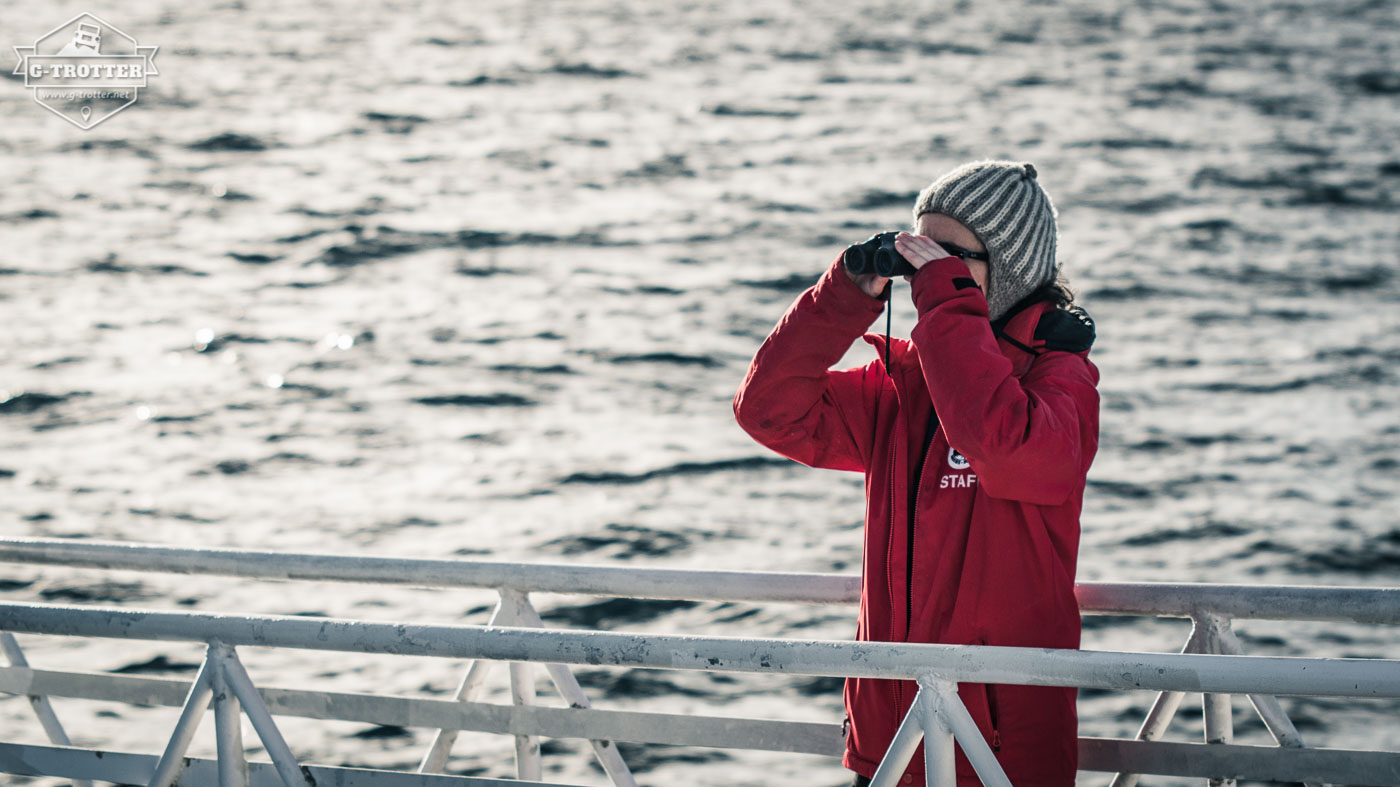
975	436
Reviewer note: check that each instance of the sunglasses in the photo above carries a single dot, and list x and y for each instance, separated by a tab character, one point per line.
966	254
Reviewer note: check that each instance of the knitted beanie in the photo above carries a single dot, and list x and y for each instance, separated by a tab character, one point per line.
1005	207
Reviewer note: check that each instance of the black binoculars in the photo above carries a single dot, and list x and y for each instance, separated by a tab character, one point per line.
879	256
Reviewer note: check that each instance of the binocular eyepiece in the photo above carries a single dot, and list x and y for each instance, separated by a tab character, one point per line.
877	255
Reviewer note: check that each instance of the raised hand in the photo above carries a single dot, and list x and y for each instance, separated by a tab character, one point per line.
919	249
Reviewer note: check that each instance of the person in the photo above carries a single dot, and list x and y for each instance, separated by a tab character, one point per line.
975	438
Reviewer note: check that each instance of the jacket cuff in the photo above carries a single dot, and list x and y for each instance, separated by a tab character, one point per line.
943	280
837	291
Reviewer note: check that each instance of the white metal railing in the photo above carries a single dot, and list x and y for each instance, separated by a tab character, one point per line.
1211	663
1271	602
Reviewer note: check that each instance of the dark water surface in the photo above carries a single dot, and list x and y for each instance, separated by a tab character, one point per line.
432	279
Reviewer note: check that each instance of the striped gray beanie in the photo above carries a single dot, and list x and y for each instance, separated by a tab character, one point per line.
1005	207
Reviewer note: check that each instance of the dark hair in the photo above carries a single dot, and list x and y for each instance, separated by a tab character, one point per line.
1057	291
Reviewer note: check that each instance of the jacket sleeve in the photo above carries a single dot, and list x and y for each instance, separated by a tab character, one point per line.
791	402
1028	439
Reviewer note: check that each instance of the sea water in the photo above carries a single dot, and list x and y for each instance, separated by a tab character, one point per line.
436	280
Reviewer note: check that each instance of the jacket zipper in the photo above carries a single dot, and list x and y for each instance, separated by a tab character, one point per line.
909	562
909	559
931	428
992	709
889	547
889	576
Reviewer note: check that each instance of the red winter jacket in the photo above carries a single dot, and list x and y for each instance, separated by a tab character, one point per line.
991	556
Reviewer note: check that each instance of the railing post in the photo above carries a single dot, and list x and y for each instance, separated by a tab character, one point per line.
43	709
941	696
1267	705
527	746
1163	708
902	747
940	757
567	685
938	717
172	760
228	726
1219	727
435	760
522	695
1216	708
237	680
